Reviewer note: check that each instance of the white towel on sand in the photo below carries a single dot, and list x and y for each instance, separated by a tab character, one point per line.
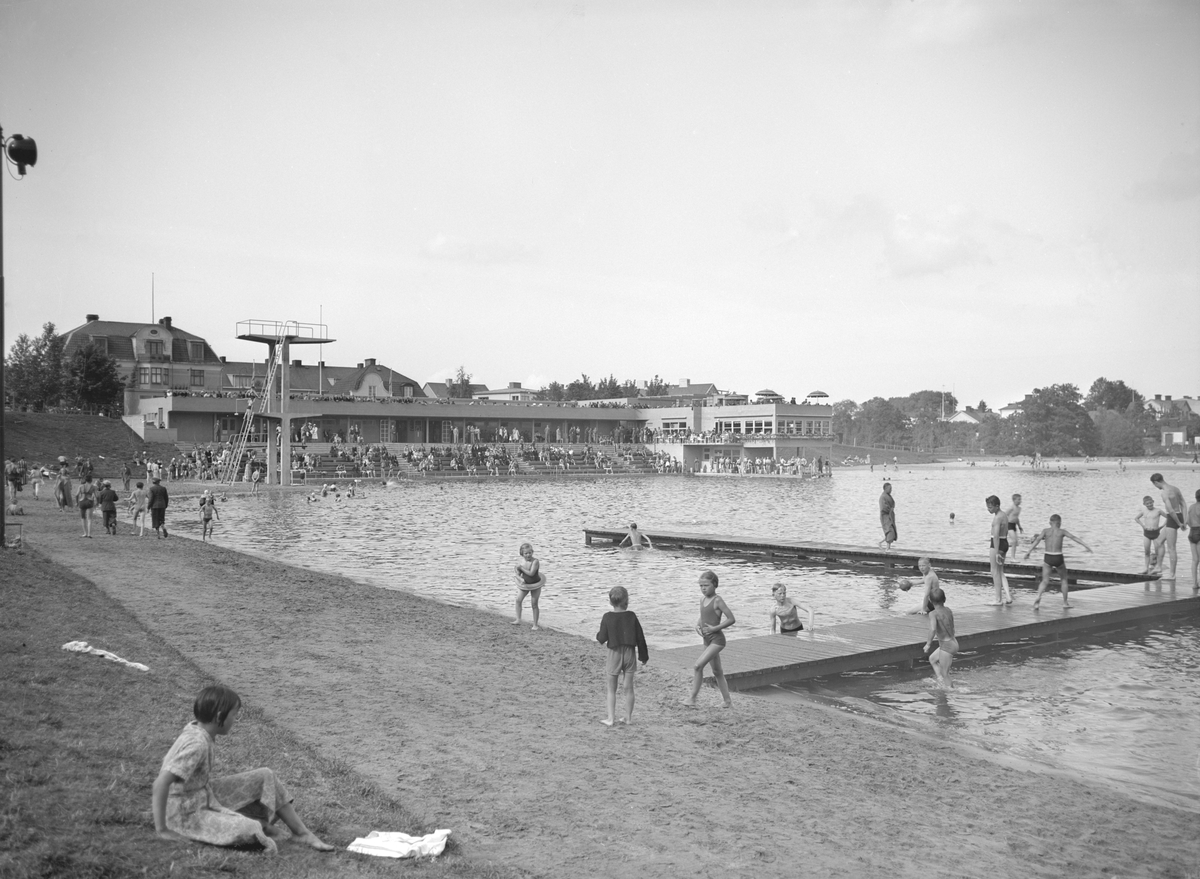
388	844
84	647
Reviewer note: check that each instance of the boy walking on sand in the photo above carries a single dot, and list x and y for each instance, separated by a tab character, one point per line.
1053	536
622	633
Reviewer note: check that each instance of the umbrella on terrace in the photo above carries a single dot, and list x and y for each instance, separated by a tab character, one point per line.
815	394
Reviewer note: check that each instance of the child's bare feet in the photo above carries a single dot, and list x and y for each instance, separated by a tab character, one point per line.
314	842
534	628
689	703
517	621
607	722
728	705
1065	604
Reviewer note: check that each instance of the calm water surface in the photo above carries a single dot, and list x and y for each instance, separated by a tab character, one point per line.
1124	707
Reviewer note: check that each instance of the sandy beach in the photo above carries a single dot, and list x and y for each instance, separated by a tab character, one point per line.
493	730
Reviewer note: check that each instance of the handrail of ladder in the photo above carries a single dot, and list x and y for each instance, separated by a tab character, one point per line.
233	465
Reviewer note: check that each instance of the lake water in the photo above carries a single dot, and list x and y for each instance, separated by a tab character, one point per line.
1124	707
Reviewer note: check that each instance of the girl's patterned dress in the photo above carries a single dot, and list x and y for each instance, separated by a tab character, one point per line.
220	811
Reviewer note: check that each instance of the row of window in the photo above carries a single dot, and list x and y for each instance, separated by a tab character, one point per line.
789	426
161	375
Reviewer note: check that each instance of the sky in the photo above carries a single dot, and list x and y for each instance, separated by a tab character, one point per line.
863	198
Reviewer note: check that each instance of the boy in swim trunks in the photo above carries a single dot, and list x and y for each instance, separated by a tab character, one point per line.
1193	521
931	582
941	626
1152	541
1175	509
787	612
635	538
1053	536
621	632
998	550
1013	515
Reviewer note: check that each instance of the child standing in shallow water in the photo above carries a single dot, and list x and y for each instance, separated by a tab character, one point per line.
621	631
941	626
530	581
715	616
234	810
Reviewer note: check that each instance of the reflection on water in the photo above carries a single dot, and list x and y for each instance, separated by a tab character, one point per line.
1107	708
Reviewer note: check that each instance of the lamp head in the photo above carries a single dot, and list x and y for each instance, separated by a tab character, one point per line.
21	151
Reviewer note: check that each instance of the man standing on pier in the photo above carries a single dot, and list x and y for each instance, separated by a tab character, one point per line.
1176	512
887	516
999	549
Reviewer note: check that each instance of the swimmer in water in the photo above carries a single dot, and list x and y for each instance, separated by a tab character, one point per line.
530	581
941	627
1054	557
787	612
635	538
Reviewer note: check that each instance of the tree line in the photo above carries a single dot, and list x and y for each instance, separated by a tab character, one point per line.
39	376
582	388
1111	420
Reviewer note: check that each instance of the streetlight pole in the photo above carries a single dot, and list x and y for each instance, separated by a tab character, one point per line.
21	151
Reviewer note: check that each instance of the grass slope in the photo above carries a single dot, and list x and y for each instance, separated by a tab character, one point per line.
40	437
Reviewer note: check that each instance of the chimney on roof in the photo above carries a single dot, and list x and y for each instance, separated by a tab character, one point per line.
685	382
165	321
370	361
321	363
360	366
222	358
1158	396
514	384
295	363
92	317
1168	398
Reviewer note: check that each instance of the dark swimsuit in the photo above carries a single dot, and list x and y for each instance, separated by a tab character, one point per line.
1172	521
1003	545
1054	561
1152	535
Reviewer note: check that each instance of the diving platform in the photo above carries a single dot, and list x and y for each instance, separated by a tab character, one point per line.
841	555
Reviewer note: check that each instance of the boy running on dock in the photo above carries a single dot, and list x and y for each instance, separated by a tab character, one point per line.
1053	558
1150	518
621	632
998	550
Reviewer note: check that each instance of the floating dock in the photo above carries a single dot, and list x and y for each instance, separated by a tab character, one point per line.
764	660
844	555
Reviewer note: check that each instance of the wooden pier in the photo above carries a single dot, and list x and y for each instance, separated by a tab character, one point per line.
837	554
763	660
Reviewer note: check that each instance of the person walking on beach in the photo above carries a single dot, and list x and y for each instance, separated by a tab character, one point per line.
158	500
85	498
107	499
138	501
786	611
62	489
188	804
1013	515
887	516
715	617
621	632
208	509
997	552
1150	518
941	627
530	581
1175	509
635	538
126	475
1053	558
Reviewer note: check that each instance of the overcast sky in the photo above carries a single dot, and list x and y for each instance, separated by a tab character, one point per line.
866	198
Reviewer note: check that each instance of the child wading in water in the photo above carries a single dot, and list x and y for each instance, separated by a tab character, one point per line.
530	581
208	509
715	616
941	627
234	810
621	631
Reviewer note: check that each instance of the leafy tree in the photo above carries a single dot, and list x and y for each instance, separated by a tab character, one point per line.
581	389
656	387
608	388
94	381
842	423
555	392
34	374
996	435
461	386
629	388
1055	423
879	421
925	410
1119	435
1105	394
982	407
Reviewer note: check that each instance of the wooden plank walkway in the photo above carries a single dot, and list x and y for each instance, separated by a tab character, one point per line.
842	554
774	659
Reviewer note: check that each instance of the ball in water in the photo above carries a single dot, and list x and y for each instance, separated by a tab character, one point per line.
905	585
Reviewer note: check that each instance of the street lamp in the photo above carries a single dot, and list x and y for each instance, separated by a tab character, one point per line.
20	151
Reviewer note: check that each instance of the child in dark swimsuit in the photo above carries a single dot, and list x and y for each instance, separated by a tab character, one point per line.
530	581
1054	556
715	616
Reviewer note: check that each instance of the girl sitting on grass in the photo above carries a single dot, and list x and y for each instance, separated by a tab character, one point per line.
235	810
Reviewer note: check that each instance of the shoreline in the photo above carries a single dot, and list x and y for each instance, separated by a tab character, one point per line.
492	730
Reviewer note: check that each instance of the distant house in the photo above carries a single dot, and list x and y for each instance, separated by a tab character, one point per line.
1166	407
962	416
152	358
441	390
1013	408
514	391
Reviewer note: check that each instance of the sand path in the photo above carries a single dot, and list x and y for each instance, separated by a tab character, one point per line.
492	730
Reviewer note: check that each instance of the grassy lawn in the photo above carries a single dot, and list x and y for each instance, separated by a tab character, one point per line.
82	738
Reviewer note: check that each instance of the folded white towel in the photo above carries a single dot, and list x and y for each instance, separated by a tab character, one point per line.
84	647
389	844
